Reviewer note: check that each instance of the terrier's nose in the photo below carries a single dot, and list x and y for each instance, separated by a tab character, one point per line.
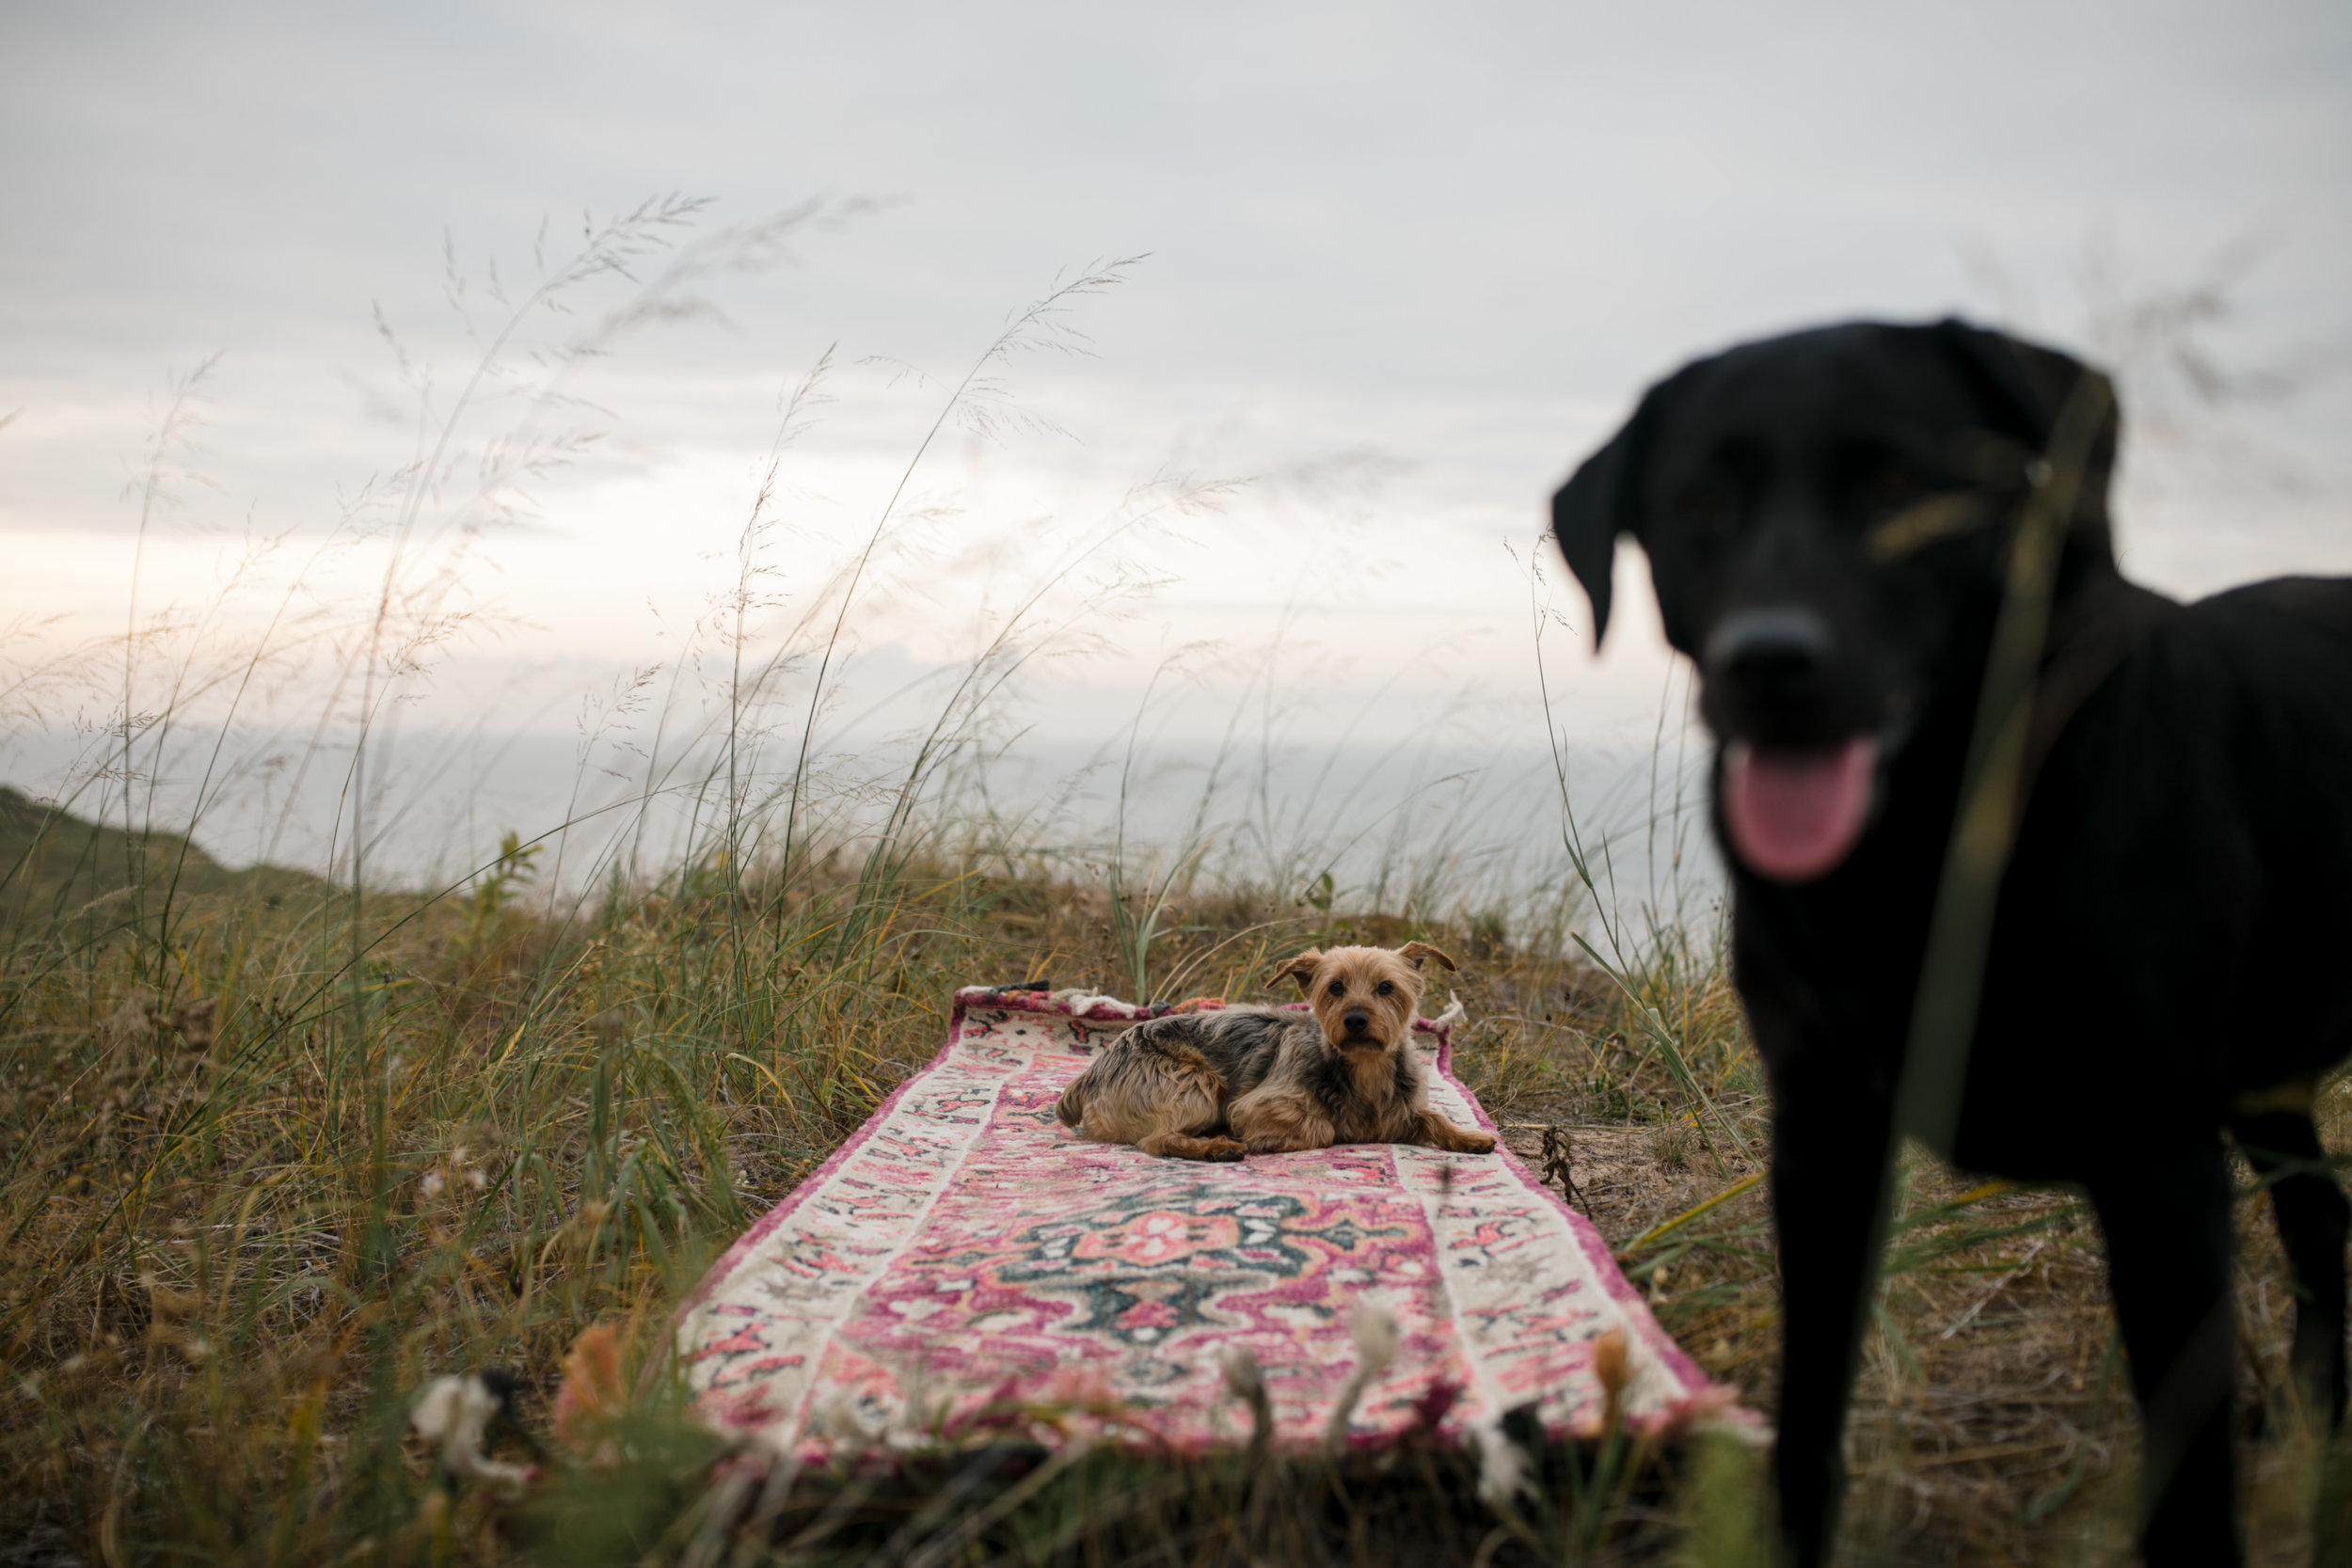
1357	1019
1772	649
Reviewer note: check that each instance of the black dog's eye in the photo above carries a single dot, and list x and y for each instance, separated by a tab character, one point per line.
1893	486
1707	509
1339	988
1384	988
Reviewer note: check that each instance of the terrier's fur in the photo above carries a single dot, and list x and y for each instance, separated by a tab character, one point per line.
1216	1085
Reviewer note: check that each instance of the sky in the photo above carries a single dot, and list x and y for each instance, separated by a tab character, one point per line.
1385	273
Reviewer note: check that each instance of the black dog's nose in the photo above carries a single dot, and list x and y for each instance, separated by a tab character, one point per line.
1770	648
1357	1019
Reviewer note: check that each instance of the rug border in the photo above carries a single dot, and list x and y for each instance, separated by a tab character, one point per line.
1596	1250
785	1207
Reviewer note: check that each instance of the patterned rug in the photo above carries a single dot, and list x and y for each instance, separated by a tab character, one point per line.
967	1267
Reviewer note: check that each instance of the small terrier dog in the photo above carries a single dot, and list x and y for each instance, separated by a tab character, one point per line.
1217	1086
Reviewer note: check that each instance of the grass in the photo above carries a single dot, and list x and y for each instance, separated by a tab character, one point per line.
237	1251
278	1148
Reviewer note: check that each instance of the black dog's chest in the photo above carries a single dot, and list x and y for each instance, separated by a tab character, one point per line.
2076	1044
2161	939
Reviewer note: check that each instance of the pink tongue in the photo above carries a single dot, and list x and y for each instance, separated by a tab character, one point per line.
1794	815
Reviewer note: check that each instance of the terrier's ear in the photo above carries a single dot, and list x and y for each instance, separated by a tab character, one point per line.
1419	953
1301	969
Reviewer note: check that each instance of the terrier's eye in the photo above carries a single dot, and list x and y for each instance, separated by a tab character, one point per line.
1384	988
1339	988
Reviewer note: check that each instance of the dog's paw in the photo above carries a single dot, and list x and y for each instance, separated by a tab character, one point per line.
1224	1151
1437	1133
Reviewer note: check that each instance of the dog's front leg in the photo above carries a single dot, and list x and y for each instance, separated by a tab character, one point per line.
2169	1243
1432	1131
1829	1153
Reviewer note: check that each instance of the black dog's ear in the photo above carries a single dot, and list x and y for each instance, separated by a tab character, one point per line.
1587	515
2013	404
1601	500
2024	386
2024	383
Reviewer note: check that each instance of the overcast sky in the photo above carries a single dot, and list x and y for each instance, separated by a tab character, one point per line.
1404	266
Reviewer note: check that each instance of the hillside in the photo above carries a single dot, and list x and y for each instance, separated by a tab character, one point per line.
55	866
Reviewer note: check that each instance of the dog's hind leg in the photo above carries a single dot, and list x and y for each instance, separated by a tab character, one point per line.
1187	1146
1166	1102
2169	1242
1184	1124
1275	1119
2314	1223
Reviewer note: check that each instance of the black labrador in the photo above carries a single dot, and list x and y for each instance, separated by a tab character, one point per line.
1828	518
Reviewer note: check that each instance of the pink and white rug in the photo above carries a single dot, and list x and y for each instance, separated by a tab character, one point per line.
966	1265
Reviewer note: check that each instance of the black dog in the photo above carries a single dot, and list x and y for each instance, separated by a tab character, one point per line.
1828	518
